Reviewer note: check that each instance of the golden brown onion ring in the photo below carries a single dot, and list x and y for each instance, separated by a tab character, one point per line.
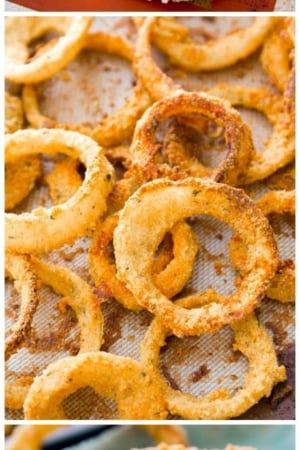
170	280
122	379
151	76
214	54
275	58
16	391
139	233
251	339
20	32
14	113
45	229
20	268
279	150
283	285
277	202
115	128
236	134
80	297
20	177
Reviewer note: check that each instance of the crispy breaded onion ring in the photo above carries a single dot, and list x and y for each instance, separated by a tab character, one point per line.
16	391
20	177
236	134
170	279
279	150
76	293
283	284
251	339
214	54
21	31
79	296
111	130
139	233
45	229
20	268
14	113
122	379
275	55
151	76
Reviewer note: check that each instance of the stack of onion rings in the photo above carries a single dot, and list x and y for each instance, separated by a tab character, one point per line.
142	250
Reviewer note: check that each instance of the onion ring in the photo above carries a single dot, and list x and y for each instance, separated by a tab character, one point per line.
16	391
214	54
80	297
282	287
236	134
151	76
115	128
20	177
45	229
17	67
275	59
20	268
280	148
119	378
173	201
14	114
170	280
251	339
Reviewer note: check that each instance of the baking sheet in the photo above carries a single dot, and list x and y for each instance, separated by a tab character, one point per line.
144	6
107	81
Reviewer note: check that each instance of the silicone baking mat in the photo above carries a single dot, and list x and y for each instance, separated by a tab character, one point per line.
89	87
